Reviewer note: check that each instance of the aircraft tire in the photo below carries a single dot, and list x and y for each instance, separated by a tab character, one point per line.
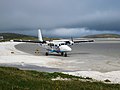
46	53
62	53
65	54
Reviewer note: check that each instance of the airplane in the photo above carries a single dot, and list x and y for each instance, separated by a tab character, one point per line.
58	46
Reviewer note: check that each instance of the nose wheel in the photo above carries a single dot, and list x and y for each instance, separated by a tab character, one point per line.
62	53
65	54
46	53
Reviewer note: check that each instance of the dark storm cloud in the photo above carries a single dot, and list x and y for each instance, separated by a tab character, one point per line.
95	15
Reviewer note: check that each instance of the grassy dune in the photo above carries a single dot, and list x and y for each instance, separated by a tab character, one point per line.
10	36
103	36
16	79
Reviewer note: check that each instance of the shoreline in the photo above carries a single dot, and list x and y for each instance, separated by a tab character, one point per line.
112	76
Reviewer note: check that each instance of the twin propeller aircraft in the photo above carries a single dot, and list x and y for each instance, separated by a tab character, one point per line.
59	46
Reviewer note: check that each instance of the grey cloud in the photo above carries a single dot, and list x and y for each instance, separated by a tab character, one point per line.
74	32
54	14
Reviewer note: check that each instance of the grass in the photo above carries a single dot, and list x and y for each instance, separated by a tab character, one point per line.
16	79
103	36
10	36
14	36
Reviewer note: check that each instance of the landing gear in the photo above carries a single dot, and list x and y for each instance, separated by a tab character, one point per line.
62	53
46	53
65	54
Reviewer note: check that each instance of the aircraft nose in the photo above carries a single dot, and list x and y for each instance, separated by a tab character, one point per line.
69	49
65	48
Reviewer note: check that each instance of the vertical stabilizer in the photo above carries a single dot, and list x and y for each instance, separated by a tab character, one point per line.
40	35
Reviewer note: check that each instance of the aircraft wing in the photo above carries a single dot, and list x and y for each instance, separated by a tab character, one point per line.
29	41
80	41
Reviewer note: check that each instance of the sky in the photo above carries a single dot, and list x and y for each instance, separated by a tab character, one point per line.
60	18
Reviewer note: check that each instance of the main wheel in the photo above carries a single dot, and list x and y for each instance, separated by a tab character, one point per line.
65	54
62	53
46	53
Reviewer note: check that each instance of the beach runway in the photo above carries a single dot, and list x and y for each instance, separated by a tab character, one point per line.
101	60
103	57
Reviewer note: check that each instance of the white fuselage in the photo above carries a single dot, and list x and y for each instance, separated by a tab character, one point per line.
65	48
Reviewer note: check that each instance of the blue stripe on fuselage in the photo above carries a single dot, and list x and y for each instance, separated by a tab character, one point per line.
58	51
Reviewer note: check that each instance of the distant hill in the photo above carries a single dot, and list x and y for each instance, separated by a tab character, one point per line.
10	36
103	36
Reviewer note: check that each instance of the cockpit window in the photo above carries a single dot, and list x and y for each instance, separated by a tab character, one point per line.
62	44
50	44
67	42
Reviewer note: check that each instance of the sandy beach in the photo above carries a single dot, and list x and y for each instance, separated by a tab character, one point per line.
99	61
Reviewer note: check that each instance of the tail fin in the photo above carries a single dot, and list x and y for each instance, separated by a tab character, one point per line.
72	39
40	35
